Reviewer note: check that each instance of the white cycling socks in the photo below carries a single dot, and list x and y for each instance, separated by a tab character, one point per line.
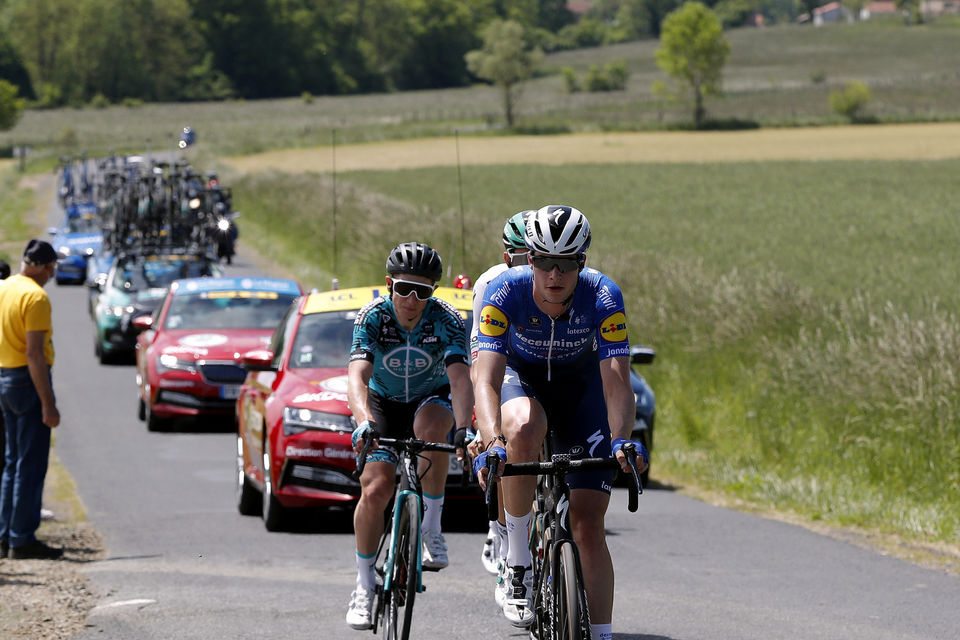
366	577
502	539
601	631
518	533
432	510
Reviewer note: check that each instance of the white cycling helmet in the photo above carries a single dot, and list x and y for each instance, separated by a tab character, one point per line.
557	230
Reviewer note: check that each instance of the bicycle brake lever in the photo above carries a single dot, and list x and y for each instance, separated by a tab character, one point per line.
493	465
634	487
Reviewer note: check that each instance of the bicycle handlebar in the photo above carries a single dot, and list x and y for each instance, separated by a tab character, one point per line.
414	445
564	465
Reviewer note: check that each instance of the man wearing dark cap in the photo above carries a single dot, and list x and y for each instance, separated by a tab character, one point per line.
26	396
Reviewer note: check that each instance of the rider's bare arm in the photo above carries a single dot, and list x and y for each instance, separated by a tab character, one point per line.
358	379
488	379
621	406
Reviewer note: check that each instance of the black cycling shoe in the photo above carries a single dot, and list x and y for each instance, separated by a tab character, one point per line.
36	550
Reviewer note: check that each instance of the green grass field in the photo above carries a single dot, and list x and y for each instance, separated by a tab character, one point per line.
803	312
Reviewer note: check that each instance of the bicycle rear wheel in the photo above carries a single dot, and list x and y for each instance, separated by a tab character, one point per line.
573	617
398	601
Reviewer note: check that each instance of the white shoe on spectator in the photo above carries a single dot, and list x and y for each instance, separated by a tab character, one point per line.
518	606
358	612
434	551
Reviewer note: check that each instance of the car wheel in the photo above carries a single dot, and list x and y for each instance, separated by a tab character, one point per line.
153	422
142	410
248	502
273	511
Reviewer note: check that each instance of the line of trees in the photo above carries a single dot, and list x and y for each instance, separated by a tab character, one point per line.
76	52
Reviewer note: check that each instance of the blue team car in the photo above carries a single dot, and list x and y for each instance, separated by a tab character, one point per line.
77	238
646	407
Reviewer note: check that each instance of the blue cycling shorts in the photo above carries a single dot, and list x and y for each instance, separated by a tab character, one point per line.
576	418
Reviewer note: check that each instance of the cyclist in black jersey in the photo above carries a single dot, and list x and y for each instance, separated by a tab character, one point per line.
408	371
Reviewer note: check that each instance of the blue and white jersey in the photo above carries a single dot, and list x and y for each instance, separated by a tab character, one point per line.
409	365
592	329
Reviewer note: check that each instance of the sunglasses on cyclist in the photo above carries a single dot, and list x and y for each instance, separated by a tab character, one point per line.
547	263
518	257
404	288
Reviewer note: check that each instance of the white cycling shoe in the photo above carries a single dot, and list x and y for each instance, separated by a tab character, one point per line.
359	610
434	551
502	590
491	551
518	607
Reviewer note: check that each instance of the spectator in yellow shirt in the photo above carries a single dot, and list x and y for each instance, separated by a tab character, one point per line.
26	397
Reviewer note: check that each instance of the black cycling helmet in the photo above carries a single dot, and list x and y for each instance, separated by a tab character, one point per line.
416	259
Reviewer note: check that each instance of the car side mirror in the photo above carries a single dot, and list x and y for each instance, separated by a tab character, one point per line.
642	355
52	231
142	323
258	360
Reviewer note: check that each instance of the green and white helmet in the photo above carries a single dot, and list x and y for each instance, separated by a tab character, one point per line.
513	230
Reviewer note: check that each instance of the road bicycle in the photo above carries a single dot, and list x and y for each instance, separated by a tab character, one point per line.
398	565
559	598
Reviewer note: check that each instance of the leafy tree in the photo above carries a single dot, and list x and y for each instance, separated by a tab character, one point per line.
10	105
504	60
693	51
12	69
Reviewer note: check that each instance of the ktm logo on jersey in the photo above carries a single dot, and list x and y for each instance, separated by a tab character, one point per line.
492	321
614	328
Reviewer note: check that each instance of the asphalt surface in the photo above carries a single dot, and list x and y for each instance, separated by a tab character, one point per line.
183	563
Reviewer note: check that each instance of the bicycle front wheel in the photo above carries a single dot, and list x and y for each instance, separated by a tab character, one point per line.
573	617
405	575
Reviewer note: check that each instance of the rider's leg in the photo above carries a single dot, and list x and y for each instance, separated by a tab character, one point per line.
376	488
587	510
524	425
432	424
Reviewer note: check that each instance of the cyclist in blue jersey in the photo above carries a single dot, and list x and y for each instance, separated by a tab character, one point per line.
553	350
408	375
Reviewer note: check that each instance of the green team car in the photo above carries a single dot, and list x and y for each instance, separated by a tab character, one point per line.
135	286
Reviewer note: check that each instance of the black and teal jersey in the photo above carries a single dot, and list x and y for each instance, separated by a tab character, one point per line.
408	365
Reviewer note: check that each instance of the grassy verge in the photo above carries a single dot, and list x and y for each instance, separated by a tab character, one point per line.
804	312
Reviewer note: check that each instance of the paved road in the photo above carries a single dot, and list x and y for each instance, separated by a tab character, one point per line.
184	564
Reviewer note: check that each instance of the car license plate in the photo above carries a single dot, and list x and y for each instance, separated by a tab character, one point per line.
230	391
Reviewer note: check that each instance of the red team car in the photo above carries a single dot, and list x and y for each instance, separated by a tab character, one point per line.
293	422
188	351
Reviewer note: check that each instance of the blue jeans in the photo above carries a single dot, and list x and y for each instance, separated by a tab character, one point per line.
27	454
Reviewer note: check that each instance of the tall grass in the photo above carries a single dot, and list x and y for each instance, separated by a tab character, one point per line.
14	203
804	313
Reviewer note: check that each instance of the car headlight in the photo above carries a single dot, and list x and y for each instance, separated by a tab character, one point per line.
119	310
64	251
298	420
167	362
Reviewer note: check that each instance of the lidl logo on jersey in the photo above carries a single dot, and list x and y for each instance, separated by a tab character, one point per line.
614	328
492	321
407	362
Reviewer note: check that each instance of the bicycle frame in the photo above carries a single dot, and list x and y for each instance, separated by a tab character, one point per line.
409	484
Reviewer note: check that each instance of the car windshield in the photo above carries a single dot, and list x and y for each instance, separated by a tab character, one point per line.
159	271
227	310
323	340
82	224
